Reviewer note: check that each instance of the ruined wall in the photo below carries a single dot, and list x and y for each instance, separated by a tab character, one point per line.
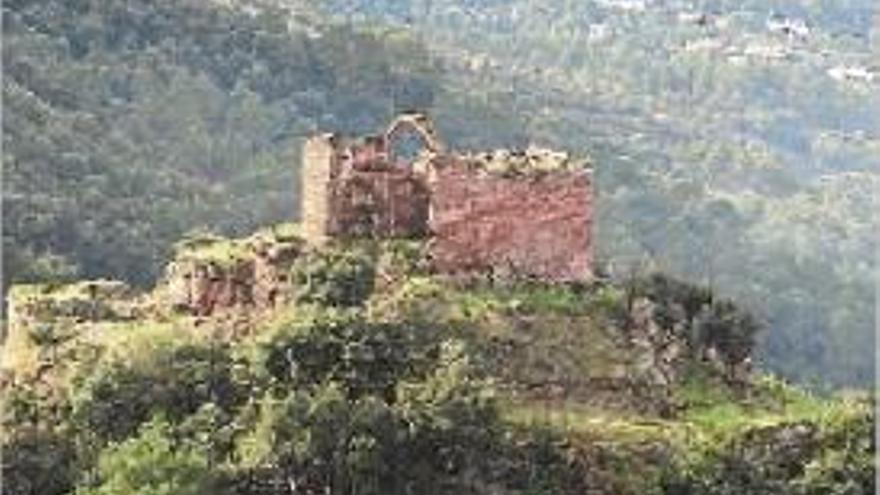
201	287
351	189
536	224
525	212
256	276
319	163
391	202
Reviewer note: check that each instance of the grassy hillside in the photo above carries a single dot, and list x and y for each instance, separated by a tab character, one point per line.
371	375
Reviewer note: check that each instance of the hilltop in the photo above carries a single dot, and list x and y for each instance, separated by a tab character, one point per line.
267	364
731	150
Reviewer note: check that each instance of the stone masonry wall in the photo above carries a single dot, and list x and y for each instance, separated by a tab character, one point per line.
390	202
351	189
526	212
257	279
319	162
538	225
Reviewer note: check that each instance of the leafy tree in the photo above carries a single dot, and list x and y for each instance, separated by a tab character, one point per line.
152	463
37	461
336	277
111	401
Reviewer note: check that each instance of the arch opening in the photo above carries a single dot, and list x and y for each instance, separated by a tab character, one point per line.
408	136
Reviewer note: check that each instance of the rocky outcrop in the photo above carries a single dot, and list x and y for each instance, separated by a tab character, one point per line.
659	353
213	275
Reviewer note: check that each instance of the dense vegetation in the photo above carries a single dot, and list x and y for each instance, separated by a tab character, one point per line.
423	385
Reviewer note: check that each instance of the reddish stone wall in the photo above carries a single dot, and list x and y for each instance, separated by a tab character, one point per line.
204	287
380	203
525	212
538	225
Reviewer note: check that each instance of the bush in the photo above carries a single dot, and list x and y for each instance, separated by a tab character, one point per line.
363	357
725	327
335	277
153	463
37	462
800	458
709	322
113	399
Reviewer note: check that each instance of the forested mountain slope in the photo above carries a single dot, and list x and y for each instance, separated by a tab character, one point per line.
727	151
737	143
128	123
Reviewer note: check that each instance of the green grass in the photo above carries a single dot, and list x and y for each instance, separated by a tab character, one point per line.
527	299
284	232
713	415
595	423
224	252
719	414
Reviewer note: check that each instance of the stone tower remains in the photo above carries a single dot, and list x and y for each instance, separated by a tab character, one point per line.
507	212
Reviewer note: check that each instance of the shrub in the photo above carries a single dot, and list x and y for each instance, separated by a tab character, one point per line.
726	328
709	322
153	463
363	357
112	400
36	461
335	277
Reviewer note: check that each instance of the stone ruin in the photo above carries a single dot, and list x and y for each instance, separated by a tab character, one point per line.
211	273
509	213
505	213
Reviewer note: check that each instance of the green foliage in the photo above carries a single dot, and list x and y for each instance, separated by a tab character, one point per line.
47	267
812	446
335	277
68	302
708	322
538	299
110	401
363	358
210	248
791	459
37	462
152	463
325	400
610	301
725	327
753	175
437	431
330	398
127	124
846	462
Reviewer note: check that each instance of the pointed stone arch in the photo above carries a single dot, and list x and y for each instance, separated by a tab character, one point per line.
416	123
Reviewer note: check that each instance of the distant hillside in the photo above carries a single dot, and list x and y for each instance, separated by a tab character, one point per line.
128	123
268	365
736	143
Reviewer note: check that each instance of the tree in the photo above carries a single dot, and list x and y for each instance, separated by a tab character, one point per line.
152	463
